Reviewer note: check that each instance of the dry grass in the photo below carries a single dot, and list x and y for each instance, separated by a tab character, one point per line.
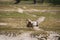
16	20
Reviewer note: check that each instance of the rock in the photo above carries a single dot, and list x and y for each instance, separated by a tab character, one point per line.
23	36
27	36
53	36
3	23
20	10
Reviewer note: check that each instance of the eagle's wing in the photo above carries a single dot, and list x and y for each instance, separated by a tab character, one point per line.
40	19
29	20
